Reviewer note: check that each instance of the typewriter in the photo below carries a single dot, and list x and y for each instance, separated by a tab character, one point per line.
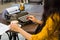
14	13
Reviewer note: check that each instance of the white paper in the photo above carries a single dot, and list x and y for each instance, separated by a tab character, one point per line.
3	28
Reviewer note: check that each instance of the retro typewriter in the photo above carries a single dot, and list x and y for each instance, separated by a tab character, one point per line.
13	13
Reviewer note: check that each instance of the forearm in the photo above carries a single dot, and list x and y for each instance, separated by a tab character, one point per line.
15	27
25	34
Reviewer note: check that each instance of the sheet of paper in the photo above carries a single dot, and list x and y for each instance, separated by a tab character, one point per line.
3	28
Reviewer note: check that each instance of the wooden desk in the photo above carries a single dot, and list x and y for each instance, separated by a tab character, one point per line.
31	28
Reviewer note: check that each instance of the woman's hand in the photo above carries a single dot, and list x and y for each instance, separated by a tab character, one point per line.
14	26
32	18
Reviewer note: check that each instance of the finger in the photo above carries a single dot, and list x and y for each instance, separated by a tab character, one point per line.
30	19
13	22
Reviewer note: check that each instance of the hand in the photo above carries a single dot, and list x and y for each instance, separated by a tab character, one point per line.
32	18
14	26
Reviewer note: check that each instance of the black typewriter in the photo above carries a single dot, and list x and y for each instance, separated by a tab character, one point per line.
21	17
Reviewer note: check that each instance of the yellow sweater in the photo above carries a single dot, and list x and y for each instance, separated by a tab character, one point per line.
50	30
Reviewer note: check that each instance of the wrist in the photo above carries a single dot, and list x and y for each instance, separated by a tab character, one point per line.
39	22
